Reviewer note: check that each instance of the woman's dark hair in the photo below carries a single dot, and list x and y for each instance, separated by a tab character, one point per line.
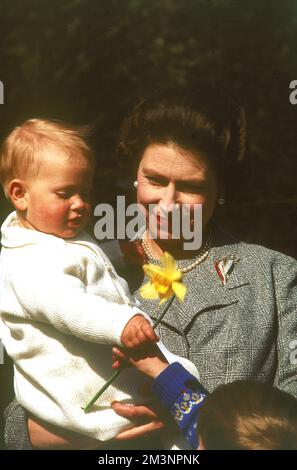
248	415
198	118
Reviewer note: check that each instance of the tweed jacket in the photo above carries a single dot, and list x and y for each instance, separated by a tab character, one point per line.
243	329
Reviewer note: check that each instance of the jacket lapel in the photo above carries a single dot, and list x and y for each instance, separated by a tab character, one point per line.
206	291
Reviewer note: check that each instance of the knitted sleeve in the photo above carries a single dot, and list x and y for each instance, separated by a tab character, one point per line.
183	395
43	288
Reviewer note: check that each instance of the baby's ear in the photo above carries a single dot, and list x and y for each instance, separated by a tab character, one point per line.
17	192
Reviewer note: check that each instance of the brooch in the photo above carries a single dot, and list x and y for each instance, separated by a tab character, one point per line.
225	266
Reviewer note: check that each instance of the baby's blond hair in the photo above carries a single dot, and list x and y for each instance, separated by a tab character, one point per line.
20	150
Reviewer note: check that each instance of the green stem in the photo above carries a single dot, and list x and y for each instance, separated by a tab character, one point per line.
88	407
164	312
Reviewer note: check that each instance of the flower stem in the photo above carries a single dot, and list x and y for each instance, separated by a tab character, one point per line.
164	312
88	407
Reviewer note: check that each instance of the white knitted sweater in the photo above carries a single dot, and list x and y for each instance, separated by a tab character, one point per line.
62	307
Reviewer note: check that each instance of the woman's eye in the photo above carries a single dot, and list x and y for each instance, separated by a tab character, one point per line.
157	181
190	188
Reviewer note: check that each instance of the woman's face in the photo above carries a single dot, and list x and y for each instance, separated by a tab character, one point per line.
169	175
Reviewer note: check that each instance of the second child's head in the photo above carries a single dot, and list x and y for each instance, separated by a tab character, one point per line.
248	416
46	170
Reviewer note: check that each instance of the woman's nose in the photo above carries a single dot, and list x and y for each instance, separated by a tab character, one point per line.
168	197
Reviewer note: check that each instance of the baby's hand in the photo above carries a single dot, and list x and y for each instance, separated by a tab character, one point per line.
138	332
149	361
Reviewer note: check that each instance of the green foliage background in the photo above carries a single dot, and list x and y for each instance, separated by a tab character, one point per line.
88	61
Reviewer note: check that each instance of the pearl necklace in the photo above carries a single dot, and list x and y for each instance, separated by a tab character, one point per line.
203	253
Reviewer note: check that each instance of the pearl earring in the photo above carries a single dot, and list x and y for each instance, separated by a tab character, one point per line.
135	184
221	200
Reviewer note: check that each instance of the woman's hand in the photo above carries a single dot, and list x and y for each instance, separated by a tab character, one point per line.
45	436
150	420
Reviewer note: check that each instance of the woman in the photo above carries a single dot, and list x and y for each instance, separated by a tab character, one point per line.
239	315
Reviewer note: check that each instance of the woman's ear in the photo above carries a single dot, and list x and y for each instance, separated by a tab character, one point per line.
17	193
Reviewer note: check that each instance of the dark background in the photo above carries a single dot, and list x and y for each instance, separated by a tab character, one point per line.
88	61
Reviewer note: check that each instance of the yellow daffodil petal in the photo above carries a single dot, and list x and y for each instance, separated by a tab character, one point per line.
164	281
165	297
180	290
161	288
148	291
151	269
168	262
176	276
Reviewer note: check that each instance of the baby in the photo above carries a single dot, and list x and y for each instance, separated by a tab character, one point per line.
62	304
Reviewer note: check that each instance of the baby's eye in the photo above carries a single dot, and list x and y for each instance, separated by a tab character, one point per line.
63	194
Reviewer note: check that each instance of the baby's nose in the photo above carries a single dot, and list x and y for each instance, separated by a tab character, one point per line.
78	204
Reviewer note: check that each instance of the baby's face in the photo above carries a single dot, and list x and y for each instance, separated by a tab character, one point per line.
58	198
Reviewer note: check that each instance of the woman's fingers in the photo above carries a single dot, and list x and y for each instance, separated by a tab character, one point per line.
134	412
149	419
139	431
137	412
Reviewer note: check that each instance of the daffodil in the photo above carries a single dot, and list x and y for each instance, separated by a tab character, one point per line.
164	281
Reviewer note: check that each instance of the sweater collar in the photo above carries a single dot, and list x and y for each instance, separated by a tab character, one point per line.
13	235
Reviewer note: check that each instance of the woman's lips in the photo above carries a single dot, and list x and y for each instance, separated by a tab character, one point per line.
165	221
168	223
164	224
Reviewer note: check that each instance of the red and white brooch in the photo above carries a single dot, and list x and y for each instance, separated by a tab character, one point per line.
225	266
